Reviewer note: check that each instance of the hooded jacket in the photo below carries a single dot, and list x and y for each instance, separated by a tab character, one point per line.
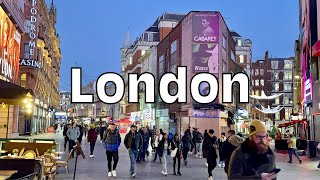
232	143
246	164
112	140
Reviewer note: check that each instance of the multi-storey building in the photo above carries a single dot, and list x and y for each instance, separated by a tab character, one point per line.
133	59
96	111
273	76
203	43
307	73
11	94
40	63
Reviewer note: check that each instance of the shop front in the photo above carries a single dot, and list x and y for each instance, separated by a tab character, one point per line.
205	119
162	119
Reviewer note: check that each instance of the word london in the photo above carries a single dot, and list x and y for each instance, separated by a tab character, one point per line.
148	80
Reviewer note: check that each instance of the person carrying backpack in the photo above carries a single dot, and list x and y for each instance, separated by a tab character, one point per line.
209	152
112	140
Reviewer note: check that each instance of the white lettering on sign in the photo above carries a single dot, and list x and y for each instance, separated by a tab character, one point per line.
30	63
205	38
33	33
6	68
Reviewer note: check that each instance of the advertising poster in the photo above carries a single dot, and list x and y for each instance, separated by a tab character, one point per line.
9	49
205	58
205	113
205	27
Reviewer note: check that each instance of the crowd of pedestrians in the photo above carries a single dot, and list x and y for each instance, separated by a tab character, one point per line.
241	158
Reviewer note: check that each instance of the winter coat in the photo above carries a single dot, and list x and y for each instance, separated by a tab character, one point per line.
177	144
209	148
232	143
246	164
92	135
73	133
157	140
111	140
161	147
186	141
138	140
198	137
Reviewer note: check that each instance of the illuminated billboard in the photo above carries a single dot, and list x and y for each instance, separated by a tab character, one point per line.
9	49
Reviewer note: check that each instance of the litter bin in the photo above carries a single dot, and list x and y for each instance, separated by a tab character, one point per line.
312	149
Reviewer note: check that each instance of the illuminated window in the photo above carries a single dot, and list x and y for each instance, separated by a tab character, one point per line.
276	87
143	52
130	60
257	93
287	75
262	82
277	101
122	68
239	42
241	59
257	82
277	116
23	80
287	113
288	64
26	51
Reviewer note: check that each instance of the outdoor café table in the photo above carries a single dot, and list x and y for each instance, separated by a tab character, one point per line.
5	174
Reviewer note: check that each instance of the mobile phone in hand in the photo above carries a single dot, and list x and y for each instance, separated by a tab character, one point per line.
275	170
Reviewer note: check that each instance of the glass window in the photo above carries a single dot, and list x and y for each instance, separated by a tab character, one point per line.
277	100
261	72
241	59
224	42
26	51
23	80
252	72
145	37
233	57
288	64
122	68
276	75
130	60
143	52
276	86
257	93
224	67
257	72
239	42
262	82
287	75
277	116
257	82
287	114
174	47
274	64
252	82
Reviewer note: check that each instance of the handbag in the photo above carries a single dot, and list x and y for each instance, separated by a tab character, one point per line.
174	153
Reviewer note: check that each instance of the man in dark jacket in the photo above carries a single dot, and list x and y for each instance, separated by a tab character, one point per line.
209	152
198	141
253	159
112	140
66	139
134	143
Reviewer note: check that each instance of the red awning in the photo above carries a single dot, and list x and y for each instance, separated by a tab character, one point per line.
290	123
316	49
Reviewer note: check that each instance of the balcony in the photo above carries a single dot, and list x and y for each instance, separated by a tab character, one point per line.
16	17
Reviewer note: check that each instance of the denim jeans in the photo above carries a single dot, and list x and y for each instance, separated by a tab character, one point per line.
199	148
133	158
164	161
291	150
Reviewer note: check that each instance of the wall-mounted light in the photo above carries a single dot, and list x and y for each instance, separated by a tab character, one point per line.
297	76
3	105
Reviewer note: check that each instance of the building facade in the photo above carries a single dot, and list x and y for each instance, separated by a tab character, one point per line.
11	30
40	64
134	59
307	71
203	43
273	76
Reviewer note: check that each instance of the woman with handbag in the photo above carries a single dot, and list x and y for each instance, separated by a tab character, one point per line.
164	150
176	154
158	138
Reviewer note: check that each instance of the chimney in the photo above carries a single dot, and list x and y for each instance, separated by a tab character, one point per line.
266	57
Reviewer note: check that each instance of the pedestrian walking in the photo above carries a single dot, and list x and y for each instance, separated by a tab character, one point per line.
133	142
193	145
253	159
221	141
232	142
205	134
79	125
141	133
112	140
198	141
177	148
73	134
292	148
85	130
92	138
164	151
146	138
186	146
209	152
153	138
66	138
158	138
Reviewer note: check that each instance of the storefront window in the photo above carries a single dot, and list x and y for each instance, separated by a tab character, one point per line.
23	80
